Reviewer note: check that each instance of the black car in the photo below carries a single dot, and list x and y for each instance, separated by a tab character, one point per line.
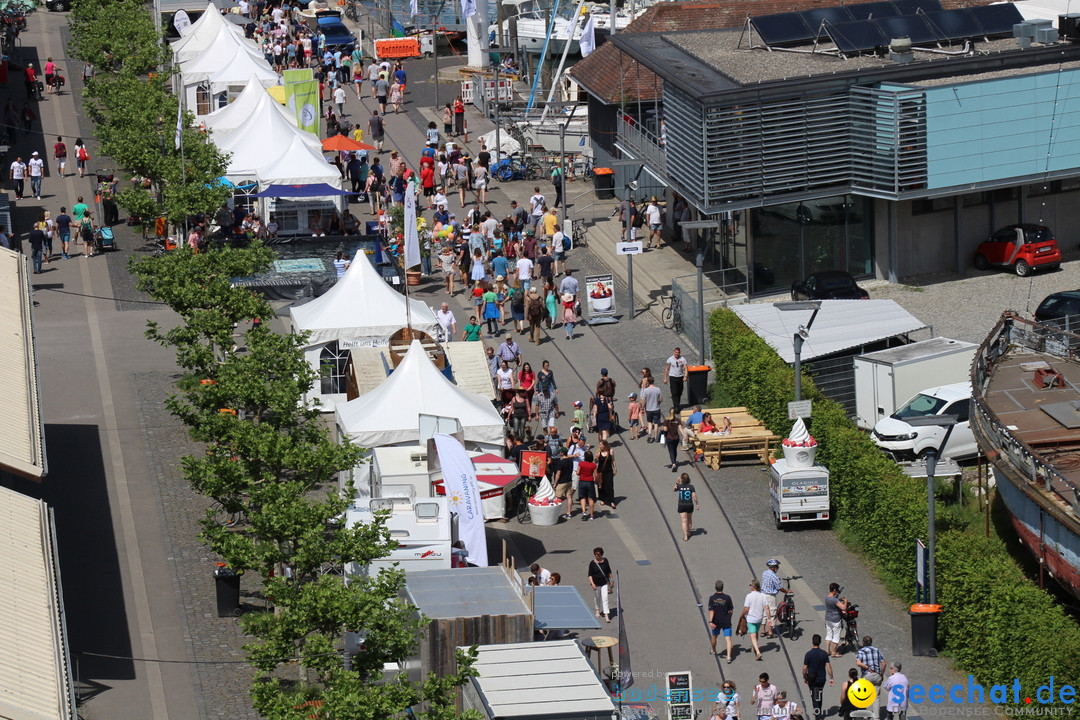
1059	306
828	285
58	5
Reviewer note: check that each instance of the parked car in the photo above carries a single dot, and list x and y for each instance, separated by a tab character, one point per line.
828	285
906	442
1058	306
1022	247
58	5
337	35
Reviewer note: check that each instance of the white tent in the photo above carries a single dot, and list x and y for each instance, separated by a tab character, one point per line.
253	100
299	164
226	37
266	128
390	414
230	62
360	310
201	34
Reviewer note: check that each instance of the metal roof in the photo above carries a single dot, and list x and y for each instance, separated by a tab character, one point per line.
539	679
466	592
35	678
561	607
22	435
840	325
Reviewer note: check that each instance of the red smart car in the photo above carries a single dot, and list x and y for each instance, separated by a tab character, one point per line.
1023	248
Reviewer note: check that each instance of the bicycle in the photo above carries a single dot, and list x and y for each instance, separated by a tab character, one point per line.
224	517
527	489
671	315
849	627
786	613
578	238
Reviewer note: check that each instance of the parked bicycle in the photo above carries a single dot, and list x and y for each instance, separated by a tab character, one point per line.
517	167
527	489
786	613
671	315
578	238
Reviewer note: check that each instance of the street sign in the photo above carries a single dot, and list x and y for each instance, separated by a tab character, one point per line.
680	702
629	248
798	409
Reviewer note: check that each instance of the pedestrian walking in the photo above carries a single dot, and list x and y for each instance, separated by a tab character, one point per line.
720	610
784	709
669	435
688	502
60	156
633	412
448	121
569	316
754	612
28	117
651	399
63	230
896	692
376	129
846	707
606	470
339	100
37	245
728	701
459	116
602	582
833	605
870	662
674	375
17	175
764	696
587	488
36	168
534	311
556	180
815	670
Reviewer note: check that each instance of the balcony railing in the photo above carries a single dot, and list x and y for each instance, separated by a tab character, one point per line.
643	141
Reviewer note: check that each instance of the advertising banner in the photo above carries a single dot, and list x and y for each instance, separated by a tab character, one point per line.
600	292
463	490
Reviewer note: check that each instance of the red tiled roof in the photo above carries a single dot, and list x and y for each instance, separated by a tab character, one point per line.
611	75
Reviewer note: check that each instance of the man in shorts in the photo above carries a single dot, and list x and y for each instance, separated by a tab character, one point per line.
60	155
720	609
563	474
651	398
654	217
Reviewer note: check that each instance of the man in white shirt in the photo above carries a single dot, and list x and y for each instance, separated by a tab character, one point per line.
675	372
756	613
542	575
783	708
37	171
524	271
557	249
18	177
895	690
447	320
655	219
536	207
339	100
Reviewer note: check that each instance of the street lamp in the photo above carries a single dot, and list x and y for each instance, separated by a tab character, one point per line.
800	336
932	453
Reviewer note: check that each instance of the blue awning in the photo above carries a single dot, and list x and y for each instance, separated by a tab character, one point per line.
299	191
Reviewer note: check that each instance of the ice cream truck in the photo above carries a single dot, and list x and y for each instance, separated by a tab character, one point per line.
423	527
799	494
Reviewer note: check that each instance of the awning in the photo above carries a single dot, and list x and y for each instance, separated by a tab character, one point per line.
840	325
495	475
299	191
22	439
561	607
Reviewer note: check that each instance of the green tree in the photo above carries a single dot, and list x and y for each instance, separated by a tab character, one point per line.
268	454
116	34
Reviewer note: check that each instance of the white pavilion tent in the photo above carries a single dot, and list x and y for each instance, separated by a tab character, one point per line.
390	414
221	72
201	34
360	310
254	99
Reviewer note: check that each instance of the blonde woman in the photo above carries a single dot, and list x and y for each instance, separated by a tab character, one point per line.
48	226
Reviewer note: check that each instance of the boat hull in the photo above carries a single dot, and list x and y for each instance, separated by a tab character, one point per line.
1053	544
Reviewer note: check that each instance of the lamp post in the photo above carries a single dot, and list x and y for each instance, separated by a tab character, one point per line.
801	335
932	453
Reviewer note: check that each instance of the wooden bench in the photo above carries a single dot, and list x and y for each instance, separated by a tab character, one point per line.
717	413
748	441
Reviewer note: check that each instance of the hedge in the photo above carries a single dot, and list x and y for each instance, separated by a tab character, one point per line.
997	624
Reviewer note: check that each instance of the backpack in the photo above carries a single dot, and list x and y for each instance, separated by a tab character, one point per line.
566	242
83	155
607	387
536	309
639	219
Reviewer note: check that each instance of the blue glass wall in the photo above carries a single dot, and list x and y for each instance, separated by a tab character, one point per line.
998	129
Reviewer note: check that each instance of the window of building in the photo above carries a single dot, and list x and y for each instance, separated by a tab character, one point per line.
924	206
202	100
333	362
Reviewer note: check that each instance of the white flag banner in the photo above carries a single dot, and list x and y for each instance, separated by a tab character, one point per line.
468	9
412	237
463	493
587	41
179	124
414	8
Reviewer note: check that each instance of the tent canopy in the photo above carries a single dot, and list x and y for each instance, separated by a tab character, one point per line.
252	100
390	413
840	325
264	128
231	59
300	164
201	34
360	305
299	191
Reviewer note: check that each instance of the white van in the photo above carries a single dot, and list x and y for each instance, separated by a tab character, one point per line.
798	494
905	442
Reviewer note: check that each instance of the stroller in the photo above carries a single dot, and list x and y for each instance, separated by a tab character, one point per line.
105	239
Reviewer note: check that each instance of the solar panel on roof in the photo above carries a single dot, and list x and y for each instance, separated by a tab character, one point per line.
860	36
865	11
911	7
813	18
996	19
909	26
958	24
783	29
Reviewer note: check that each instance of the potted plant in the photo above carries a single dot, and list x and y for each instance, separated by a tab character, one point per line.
397	232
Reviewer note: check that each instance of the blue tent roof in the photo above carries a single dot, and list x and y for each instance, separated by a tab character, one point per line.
299	191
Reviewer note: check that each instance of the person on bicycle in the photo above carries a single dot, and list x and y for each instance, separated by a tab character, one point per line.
771	586
833	605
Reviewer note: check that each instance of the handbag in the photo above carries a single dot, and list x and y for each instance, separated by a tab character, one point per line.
663	437
741	628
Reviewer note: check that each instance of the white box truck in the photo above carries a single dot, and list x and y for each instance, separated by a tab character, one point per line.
798	495
888	378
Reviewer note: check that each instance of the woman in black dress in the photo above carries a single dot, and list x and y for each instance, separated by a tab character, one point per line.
602	416
606	470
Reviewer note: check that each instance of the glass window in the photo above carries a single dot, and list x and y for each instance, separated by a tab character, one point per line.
960	409
202	100
919	406
333	362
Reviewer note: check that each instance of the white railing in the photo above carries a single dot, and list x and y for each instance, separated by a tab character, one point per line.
644	141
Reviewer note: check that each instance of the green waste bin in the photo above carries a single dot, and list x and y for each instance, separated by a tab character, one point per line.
924	622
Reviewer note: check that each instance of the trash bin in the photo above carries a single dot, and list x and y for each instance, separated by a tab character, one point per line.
604	179
924	620
697	384
227	585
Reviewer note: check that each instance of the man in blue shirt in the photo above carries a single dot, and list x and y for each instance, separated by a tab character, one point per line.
770	586
695	419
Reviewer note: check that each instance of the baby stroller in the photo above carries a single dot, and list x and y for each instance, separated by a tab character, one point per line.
105	239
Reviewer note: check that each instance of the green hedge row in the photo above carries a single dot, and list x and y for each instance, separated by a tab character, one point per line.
996	623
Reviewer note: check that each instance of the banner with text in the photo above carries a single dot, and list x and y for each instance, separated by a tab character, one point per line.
600	291
463	491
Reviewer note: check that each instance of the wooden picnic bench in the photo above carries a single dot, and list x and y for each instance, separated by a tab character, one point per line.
754	441
717	413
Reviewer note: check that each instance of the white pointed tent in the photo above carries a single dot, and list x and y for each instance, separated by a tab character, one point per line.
360	310
300	164
264	128
253	100
390	414
201	34
232	61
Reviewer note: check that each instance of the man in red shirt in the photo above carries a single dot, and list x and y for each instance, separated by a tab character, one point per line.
31	80
427	180
60	155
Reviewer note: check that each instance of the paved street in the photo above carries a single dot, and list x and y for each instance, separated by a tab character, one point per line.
137	584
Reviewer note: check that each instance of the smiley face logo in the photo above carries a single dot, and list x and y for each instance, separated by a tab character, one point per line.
862	694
